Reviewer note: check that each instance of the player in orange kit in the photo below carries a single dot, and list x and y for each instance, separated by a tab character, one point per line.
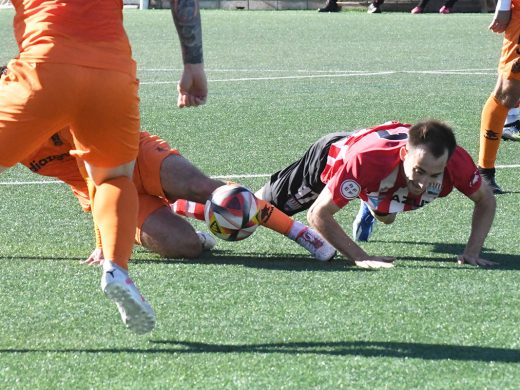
162	176
506	94
75	68
177	238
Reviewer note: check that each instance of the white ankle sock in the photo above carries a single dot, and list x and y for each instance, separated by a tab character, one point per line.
296	228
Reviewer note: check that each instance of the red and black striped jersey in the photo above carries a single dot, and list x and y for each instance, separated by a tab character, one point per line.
367	165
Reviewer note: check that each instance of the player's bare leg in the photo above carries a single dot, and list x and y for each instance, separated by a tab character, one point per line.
171	236
180	179
115	212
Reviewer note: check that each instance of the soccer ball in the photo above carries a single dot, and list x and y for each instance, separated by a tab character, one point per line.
231	212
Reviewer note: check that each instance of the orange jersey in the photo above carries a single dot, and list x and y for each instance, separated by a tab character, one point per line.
79	32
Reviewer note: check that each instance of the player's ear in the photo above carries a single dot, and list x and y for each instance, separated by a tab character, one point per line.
403	152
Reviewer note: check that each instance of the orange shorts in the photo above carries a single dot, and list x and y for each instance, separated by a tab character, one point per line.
100	106
147	177
148	204
509	65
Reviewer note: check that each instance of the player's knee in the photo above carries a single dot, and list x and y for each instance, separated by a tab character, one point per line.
508	100
178	244
188	249
508	94
100	175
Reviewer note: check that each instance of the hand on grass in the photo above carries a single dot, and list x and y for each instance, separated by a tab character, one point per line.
95	258
475	260
376	262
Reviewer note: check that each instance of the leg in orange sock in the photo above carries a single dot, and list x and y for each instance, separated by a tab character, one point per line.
274	219
493	117
115	212
269	216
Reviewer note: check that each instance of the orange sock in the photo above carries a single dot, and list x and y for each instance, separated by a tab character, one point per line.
115	212
268	216
274	219
492	121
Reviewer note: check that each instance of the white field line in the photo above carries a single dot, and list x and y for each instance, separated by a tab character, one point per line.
315	76
32	182
38	182
221	177
507	166
324	74
321	74
313	70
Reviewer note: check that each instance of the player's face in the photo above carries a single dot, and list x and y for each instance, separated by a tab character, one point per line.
422	169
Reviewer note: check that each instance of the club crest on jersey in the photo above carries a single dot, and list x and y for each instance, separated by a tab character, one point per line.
350	189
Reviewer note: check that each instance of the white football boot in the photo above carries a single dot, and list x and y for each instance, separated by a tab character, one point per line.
136	312
511	131
207	241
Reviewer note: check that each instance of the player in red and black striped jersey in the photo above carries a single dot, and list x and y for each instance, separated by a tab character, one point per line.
392	168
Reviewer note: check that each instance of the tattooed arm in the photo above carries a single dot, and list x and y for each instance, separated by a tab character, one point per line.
186	17
193	86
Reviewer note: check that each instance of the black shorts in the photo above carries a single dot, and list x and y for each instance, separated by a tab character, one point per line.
295	188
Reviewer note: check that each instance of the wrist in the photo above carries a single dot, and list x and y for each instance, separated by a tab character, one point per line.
192	56
471	253
197	67
357	255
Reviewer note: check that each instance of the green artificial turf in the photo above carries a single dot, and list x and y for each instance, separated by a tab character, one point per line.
262	313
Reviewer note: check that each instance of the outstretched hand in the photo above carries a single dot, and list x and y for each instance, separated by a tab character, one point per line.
475	260
95	258
376	262
192	86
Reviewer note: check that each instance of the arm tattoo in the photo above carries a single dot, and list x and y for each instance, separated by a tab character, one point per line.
186	17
